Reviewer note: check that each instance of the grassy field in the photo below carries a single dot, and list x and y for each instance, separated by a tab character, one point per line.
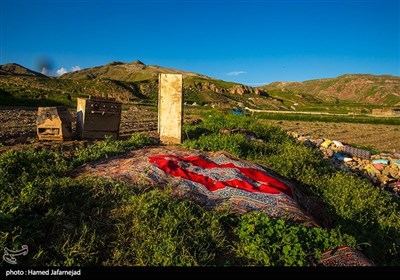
365	119
98	221
329	118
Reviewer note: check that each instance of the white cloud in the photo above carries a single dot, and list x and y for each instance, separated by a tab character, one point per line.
61	71
235	73
75	68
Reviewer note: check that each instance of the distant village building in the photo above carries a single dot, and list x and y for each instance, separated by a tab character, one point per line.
386	112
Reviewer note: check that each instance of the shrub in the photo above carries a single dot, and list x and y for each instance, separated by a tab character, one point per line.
275	242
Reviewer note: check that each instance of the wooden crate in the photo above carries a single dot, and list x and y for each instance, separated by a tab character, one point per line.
97	117
54	123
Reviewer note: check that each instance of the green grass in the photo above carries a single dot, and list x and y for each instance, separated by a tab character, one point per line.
108	147
327	118
89	221
35	98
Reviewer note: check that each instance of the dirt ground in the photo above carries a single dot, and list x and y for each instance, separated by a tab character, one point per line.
383	138
18	127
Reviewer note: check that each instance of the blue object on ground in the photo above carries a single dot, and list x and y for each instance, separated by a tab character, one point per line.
339	156
238	112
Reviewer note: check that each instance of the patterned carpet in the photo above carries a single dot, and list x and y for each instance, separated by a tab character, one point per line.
211	179
216	180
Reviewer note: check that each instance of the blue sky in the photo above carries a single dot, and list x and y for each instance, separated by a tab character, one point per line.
250	42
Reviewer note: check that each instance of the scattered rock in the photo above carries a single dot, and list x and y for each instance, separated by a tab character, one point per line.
319	142
382	169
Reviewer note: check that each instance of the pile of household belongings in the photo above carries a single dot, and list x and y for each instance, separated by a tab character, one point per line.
218	179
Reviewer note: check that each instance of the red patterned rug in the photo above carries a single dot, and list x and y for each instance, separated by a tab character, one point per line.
211	179
217	180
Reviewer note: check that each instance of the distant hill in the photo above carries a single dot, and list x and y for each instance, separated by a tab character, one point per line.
128	72
138	83
130	82
354	88
15	69
137	71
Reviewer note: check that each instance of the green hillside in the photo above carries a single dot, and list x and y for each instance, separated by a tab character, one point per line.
345	90
129	83
127	72
137	83
35	91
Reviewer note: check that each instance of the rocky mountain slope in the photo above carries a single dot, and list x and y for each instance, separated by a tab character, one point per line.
14	69
354	88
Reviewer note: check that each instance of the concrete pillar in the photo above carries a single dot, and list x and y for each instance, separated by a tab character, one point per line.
170	109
